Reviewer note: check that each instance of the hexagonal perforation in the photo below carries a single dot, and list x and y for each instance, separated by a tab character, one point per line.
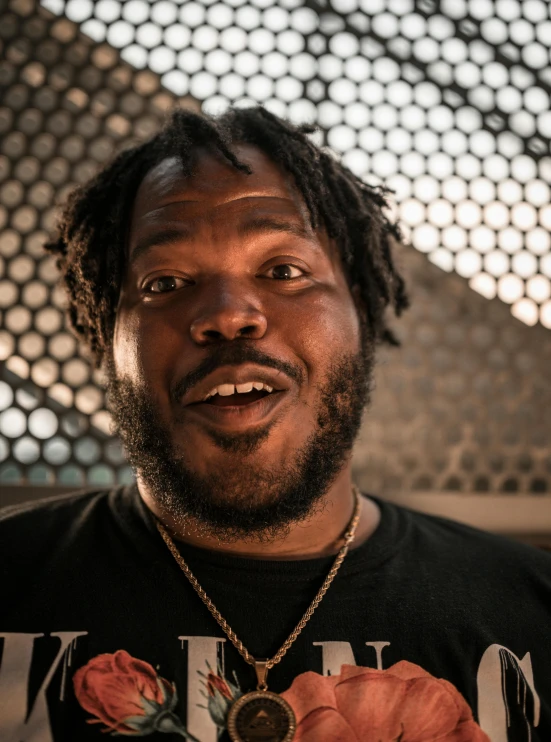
448	104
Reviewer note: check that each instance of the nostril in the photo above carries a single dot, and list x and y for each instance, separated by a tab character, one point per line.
247	330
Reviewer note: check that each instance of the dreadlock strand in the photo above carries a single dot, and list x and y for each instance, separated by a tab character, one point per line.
261	130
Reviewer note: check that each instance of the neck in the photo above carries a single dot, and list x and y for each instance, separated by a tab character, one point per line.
319	535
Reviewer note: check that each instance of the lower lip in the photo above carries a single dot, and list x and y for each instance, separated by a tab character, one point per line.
239	416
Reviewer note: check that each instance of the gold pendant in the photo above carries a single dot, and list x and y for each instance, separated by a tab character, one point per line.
261	715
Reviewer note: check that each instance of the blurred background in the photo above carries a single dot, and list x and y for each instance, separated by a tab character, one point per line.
444	101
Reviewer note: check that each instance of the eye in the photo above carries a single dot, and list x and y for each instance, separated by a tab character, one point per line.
288	268
164	284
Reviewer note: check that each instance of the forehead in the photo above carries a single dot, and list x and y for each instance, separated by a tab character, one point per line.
215	182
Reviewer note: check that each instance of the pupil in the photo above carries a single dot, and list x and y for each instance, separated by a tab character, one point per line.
165	284
286	268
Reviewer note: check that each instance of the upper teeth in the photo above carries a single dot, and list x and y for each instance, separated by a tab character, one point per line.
224	390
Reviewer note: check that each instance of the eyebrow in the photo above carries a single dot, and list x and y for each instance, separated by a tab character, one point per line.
168	236
265	224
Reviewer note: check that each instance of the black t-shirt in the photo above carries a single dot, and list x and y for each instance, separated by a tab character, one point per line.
432	630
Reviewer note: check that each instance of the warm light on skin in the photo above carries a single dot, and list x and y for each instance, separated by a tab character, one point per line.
224	283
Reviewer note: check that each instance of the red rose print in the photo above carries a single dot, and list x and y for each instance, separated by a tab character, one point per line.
127	696
217	683
220	694
401	704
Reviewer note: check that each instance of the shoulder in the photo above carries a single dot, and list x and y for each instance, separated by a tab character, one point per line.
46	545
59	505
434	540
454	543
30	525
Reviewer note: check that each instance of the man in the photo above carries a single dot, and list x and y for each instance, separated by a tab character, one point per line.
232	280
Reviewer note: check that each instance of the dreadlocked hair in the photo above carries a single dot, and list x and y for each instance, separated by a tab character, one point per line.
91	233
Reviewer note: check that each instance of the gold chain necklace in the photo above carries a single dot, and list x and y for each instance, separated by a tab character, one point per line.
262	714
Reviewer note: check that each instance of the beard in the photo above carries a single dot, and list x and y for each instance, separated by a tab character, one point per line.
243	500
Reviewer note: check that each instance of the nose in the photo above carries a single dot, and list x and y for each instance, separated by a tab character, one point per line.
227	313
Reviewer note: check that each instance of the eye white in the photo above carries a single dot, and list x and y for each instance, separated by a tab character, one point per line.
292	267
170	281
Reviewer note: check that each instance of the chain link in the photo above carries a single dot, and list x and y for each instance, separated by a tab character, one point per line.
237	643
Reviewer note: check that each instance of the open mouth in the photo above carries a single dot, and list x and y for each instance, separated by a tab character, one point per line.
239	410
239	399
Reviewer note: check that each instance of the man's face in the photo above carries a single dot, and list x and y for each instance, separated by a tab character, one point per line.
227	283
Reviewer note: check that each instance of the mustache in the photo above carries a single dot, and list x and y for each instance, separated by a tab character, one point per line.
233	355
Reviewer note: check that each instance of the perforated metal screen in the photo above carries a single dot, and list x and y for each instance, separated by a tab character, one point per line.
447	103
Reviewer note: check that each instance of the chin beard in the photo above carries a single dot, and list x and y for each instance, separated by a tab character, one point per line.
243	501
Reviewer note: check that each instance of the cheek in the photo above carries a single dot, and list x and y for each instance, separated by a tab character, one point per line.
143	345
329	327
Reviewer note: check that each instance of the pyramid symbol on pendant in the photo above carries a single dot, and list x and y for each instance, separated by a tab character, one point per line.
262	719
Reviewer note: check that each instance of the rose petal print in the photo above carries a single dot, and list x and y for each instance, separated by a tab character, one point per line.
362	704
127	696
369	703
217	683
463	708
125	663
427	710
139	669
451	707
87	692
325	724
144	674
80	675
352	671
108	690
88	681
166	689
404	670
309	691
148	689
119	697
